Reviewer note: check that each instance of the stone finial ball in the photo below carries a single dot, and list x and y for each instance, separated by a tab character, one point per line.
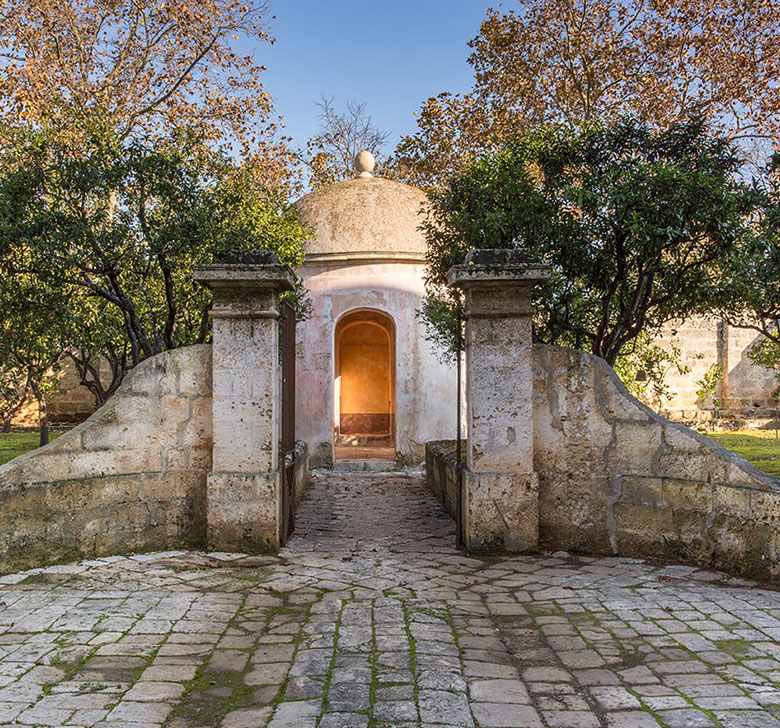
365	163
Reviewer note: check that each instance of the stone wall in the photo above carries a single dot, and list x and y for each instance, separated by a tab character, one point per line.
703	342
68	403
442	474
615	477
132	477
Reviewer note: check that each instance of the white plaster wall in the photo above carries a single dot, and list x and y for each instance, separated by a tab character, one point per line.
425	387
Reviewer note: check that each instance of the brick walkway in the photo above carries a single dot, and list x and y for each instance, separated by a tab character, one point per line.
371	618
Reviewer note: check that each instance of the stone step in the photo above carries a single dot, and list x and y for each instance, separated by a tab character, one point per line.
366	466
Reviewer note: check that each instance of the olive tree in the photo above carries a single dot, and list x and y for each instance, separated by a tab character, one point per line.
112	229
637	225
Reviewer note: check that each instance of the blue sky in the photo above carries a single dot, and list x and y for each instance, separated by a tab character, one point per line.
392	54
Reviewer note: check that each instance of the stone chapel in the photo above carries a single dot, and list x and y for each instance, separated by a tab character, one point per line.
370	386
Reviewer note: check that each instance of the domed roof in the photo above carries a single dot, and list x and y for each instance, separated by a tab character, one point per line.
364	217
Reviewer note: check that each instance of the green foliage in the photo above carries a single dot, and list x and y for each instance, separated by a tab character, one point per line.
32	341
643	366
766	352
636	224
754	281
14	386
708	385
111	231
440	319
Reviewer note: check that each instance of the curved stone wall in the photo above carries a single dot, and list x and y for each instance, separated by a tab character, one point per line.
615	477
130	478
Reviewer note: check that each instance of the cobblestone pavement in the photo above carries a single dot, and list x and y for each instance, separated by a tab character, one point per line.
370	617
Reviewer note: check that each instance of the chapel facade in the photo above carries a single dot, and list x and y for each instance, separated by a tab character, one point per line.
370	386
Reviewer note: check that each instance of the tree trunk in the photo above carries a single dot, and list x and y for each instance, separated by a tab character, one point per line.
43	415
6	428
89	372
43	422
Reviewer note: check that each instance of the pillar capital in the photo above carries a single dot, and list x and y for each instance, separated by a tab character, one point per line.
497	283
244	278
239	277
496	268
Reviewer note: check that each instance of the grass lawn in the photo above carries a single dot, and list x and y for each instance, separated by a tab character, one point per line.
758	446
14	444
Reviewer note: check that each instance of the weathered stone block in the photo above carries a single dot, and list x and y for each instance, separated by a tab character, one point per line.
744	546
688	495
642	491
646	522
765	507
731	500
729	468
502	511
572	512
156	379
194	361
75	495
636	445
243	511
682	464
690	527
23	501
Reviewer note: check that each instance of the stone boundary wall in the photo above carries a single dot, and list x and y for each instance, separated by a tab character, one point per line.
130	478
442	473
615	477
746	390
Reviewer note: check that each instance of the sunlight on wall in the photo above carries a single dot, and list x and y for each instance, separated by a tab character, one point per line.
364	343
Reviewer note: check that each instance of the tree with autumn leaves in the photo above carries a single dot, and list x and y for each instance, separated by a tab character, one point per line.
135	140
141	67
570	62
584	70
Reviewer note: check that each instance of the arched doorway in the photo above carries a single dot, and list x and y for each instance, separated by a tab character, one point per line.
364	386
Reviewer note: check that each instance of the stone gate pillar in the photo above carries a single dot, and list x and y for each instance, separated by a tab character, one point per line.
244	486
500	487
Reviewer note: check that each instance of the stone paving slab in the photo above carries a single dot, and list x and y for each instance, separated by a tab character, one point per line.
371	618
